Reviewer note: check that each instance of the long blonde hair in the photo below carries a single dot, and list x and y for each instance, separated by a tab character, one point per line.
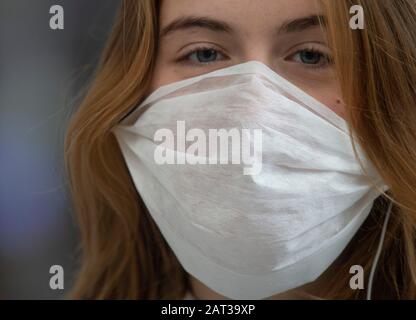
124	255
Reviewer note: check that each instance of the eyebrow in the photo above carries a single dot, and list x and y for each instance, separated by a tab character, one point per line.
189	22
302	24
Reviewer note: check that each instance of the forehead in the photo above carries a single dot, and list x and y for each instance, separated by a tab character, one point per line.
241	14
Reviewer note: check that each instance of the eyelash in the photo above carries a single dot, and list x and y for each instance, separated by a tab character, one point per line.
185	59
328	61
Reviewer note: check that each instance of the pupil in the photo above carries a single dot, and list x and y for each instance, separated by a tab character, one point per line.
310	57
207	55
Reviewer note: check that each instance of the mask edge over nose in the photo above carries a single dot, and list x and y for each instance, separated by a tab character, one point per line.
250	67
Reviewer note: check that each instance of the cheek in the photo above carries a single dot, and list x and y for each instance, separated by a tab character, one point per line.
324	87
163	73
335	103
332	99
159	78
338	107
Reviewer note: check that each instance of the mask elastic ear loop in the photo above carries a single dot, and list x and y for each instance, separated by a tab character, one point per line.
377	257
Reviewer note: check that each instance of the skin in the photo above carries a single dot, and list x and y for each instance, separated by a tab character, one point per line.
268	31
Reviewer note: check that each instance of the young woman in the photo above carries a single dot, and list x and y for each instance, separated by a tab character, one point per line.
365	76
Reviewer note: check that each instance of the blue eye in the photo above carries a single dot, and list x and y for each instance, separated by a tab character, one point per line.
310	57
313	58
204	55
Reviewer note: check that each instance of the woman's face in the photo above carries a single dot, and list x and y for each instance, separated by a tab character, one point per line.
198	37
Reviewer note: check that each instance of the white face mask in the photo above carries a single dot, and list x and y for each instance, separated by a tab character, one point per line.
251	236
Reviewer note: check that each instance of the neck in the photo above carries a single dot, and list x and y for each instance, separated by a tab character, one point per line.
307	292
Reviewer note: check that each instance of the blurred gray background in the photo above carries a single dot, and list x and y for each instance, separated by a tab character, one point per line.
41	74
